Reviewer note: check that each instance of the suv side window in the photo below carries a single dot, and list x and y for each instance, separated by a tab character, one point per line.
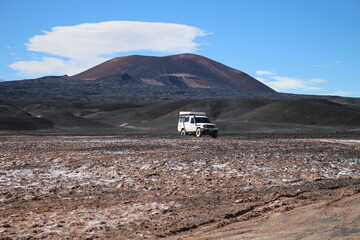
192	120
186	119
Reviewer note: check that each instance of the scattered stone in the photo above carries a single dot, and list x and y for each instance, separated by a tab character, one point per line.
101	187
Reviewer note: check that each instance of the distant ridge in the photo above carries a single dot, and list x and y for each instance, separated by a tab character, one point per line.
183	70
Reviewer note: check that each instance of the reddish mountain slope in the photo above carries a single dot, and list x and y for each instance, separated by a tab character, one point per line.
184	70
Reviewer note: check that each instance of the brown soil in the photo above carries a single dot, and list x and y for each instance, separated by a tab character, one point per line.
178	188
334	218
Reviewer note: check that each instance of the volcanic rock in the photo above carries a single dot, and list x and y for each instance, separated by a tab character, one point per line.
183	70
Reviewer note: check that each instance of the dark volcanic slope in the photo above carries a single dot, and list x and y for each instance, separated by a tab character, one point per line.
184	70
13	118
232	115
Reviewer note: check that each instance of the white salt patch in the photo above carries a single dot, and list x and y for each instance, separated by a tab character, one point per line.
93	223
219	165
13	177
341	141
199	163
117	153
145	167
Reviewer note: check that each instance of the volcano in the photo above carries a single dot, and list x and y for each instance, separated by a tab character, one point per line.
183	70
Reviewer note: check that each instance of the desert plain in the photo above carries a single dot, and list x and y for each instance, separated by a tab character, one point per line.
97	156
179	187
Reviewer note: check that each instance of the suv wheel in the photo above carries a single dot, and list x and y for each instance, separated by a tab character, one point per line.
183	132
198	132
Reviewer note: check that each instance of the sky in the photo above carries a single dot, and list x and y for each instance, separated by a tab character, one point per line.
293	46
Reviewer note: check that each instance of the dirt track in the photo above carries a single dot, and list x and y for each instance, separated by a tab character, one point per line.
177	188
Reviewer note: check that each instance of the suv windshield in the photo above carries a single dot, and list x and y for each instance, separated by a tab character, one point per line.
202	120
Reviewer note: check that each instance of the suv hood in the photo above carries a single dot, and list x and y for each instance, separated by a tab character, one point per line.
204	124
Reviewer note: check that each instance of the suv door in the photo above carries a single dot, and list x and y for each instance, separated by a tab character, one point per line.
191	125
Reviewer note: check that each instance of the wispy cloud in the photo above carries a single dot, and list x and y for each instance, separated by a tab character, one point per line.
261	79
280	83
327	65
82	46
338	93
317	80
342	93
261	72
48	66
285	83
324	65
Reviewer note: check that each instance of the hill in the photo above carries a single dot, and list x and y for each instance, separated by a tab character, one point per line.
141	79
183	70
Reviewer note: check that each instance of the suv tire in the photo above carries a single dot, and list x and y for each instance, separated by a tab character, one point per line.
198	132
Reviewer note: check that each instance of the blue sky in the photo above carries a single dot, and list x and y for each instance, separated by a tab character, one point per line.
294	46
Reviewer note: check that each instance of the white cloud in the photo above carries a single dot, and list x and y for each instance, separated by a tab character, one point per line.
327	65
339	93
287	83
260	72
261	79
88	43
53	66
324	65
317	80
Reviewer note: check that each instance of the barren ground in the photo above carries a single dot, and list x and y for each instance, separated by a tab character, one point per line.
178	188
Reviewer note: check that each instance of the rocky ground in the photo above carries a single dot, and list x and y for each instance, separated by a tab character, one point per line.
113	187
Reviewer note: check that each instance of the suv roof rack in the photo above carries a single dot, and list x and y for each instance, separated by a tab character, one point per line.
181	113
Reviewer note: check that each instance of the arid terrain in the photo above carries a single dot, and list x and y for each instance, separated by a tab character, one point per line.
97	156
172	187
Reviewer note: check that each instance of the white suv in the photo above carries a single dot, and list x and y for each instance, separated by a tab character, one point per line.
196	123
